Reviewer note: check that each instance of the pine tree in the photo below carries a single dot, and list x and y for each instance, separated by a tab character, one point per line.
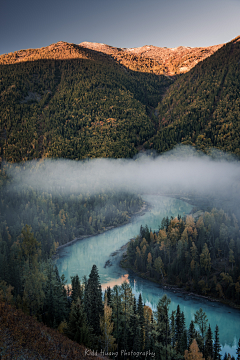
109	293
93	301
200	318
163	327
76	288
140	313
77	327
178	329
217	346
55	308
127	304
191	333
133	323
117	315
208	351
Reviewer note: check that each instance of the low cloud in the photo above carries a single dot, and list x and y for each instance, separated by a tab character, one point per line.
182	170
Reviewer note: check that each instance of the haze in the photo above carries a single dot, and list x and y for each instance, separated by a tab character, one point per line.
181	171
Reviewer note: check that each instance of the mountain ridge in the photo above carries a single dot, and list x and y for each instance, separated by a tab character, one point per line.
77	102
147	58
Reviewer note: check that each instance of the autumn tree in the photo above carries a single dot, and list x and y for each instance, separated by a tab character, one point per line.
106	326
205	259
193	353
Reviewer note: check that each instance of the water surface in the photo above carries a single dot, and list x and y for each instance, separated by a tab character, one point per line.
80	256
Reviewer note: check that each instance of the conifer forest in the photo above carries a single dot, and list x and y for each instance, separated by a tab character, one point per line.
84	136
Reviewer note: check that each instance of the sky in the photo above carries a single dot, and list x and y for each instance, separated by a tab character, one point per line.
122	23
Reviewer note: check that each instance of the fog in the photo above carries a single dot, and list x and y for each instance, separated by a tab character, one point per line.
181	171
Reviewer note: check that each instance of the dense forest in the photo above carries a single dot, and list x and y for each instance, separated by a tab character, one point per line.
56	215
75	108
72	102
68	102
202	107
200	255
120	326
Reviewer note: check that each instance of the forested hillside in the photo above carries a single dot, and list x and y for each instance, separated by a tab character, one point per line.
199	255
202	108
68	101
74	103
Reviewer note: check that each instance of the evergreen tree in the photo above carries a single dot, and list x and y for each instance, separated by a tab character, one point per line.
55	309
116	304
163	328
191	333
93	301
208	351
127	305
200	318
217	346
133	323
77	327
76	288
109	293
178	329
106	325
140	314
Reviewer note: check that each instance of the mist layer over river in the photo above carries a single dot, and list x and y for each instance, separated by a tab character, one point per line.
80	256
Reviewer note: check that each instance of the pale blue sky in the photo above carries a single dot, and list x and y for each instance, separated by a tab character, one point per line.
122	23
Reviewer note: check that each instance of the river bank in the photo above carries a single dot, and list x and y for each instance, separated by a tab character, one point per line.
123	263
145	207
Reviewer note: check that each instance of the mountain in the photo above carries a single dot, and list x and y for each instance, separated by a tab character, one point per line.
72	102
158	60
202	107
94	100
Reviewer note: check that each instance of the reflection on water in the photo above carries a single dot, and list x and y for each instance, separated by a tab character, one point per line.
80	256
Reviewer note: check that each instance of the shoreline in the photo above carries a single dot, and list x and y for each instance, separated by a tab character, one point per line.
140	212
172	288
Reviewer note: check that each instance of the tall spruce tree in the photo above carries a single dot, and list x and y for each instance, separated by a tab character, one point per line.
93	301
77	327
133	323
140	313
76	288
208	351
191	333
163	327
217	346
116	304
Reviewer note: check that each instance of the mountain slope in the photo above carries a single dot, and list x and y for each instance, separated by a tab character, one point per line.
23	337
54	105
93	100
157	60
202	108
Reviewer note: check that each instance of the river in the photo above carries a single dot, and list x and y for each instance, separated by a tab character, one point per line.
81	255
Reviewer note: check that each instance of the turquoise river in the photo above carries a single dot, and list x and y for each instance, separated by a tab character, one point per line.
79	257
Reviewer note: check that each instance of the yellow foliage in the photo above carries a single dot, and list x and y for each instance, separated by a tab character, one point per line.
193	353
62	326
